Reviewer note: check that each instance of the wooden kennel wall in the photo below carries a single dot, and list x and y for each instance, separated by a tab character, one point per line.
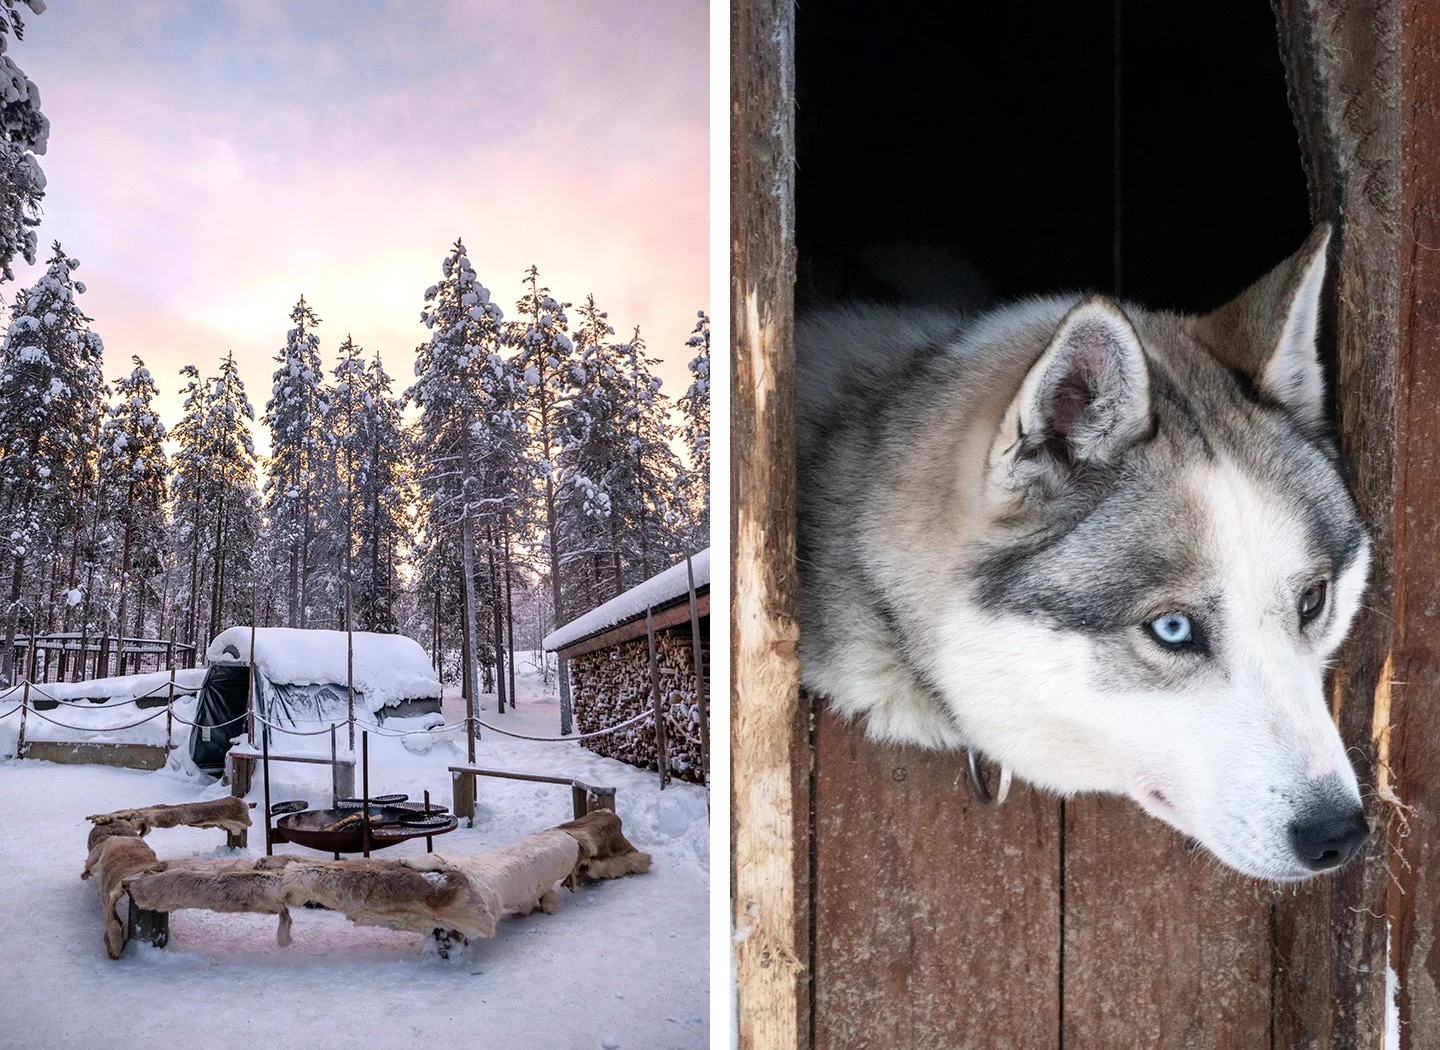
875	904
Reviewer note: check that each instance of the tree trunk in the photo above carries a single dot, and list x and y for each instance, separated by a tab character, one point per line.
467	557
562	678
124	578
509	612
498	620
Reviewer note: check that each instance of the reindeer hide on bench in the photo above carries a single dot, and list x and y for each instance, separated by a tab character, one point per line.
229	812
435	893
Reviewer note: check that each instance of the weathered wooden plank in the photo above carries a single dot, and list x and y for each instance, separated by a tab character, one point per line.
1414	745
1163	946
937	920
1341	60
769	730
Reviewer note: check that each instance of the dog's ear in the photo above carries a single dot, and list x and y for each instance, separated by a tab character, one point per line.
1085	401
1268	332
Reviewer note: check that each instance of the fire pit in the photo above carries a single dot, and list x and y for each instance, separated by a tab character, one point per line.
343	830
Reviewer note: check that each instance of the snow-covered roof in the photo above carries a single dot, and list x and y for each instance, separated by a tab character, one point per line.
669	585
388	667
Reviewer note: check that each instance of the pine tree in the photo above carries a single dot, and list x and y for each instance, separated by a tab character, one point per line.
24	131
451	392
644	495
594	450
695	406
298	455
133	468
51	394
385	494
545	361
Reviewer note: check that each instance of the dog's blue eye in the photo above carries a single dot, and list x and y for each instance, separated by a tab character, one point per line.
1172	629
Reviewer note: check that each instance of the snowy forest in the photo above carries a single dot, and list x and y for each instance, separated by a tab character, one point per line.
530	469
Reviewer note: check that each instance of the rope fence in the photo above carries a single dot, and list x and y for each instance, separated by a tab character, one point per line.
25	708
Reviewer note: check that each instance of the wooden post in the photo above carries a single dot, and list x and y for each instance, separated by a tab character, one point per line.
662	757
701	701
462	795
24	711
769	727
152	927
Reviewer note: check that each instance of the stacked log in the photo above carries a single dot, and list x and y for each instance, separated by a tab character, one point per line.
612	684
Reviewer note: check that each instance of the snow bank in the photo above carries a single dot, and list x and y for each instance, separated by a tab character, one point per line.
656	591
102	710
388	667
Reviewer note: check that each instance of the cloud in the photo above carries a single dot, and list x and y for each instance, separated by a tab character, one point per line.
210	163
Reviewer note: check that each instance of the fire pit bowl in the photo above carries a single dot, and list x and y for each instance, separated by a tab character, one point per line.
316	828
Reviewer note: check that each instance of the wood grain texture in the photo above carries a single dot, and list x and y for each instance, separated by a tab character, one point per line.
1164	947
937	920
1414	898
1342	64
770	758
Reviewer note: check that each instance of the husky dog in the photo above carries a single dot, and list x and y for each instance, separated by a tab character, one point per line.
1109	547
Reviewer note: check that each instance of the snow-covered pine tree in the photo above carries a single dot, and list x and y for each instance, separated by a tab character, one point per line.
695	407
235	502
298	459
451	393
385	498
24	131
545	361
133	469
214	504
593	453
644	491
52	391
343	398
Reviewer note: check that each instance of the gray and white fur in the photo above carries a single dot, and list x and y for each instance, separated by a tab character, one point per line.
1108	546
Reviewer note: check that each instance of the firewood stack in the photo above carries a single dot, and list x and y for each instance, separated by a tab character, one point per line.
613	684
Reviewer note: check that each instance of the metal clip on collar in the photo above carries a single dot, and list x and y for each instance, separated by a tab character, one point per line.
983	794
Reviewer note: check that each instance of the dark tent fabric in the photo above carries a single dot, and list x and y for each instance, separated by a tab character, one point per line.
221	708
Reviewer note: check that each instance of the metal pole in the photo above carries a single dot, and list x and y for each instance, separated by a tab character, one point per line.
170	713
429	839
250	682
334	770
365	785
265	756
349	666
701	700
662	759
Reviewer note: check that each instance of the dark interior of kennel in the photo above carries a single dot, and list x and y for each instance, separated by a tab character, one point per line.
1019	142
1145	149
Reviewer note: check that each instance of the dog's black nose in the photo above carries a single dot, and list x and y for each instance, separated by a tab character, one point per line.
1326	838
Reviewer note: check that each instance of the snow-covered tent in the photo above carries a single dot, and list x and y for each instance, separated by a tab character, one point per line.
300	679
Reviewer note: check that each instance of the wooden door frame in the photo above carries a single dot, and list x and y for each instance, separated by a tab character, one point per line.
1364	81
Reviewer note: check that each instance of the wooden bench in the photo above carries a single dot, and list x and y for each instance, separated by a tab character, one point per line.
586	797
240	771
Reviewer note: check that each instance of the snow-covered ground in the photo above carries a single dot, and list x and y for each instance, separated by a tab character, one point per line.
623	963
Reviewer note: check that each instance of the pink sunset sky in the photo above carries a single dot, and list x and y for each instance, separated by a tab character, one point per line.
210	162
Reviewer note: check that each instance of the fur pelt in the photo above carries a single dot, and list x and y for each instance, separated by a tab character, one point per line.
228	812
605	852
112	861
519	877
393	894
100	832
231	884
